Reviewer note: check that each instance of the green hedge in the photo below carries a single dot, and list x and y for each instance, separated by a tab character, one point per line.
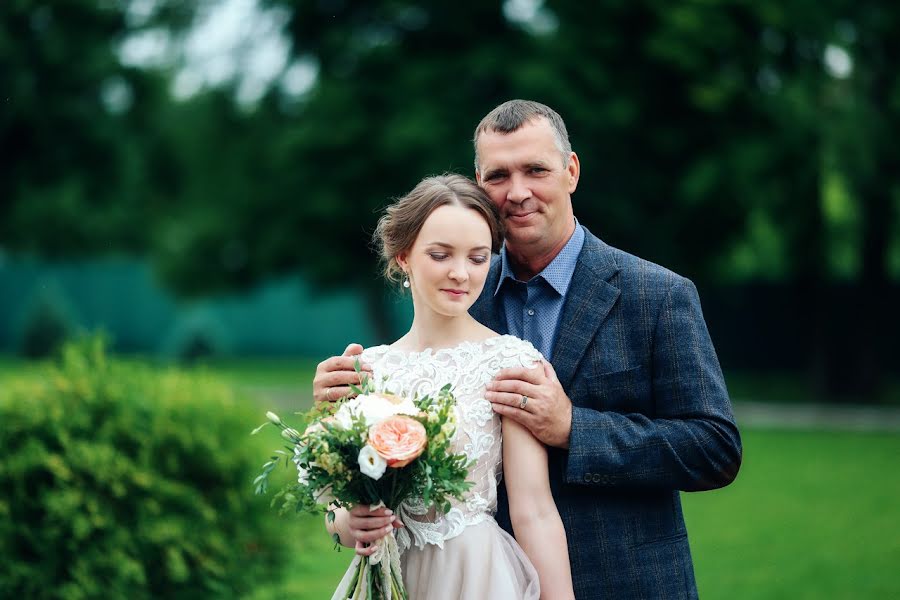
119	480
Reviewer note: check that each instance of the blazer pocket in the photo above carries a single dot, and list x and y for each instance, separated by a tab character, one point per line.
625	391
662	540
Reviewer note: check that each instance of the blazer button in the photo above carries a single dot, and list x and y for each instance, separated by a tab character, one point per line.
587	477
597	478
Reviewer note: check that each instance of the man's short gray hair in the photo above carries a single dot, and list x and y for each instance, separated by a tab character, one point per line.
513	114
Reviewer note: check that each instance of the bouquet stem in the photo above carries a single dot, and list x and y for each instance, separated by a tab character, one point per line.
376	577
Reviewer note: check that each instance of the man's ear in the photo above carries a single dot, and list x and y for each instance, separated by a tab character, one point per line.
574	171
478	177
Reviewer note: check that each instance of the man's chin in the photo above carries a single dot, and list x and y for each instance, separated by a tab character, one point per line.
522	236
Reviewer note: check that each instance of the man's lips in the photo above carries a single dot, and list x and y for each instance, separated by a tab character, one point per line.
519	216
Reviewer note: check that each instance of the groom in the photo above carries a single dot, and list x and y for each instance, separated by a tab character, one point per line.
634	407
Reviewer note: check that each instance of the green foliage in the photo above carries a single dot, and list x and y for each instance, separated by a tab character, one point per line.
711	137
80	170
120	480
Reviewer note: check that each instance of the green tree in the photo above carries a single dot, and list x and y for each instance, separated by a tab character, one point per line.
79	154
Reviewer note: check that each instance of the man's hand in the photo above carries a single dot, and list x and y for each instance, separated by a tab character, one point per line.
368	526
335	375
534	398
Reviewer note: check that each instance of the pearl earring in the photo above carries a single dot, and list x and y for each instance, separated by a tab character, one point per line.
406	282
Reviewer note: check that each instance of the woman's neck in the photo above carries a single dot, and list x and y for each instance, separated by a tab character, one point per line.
433	330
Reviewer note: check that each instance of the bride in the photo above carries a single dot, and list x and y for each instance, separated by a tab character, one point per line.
438	240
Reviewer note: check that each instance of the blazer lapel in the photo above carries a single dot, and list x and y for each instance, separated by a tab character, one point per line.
589	299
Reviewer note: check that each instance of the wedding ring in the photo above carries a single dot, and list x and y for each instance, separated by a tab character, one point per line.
328	394
523	402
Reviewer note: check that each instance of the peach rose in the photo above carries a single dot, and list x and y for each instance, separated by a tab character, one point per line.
398	439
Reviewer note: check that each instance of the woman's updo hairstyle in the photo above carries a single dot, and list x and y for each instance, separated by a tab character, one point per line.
400	225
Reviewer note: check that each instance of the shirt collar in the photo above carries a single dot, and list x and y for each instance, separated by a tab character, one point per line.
559	272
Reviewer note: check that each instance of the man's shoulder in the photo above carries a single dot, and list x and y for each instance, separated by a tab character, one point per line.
631	269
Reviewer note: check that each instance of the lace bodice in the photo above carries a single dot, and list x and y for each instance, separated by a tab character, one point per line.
468	367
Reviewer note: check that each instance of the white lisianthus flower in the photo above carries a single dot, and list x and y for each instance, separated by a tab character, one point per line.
323	496
370	463
373	408
302	474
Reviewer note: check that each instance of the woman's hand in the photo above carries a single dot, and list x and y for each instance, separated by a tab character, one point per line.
368	526
335	375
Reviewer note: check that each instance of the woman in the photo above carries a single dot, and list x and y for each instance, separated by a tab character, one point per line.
438	240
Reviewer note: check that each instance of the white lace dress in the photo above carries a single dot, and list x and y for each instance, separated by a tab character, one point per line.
463	553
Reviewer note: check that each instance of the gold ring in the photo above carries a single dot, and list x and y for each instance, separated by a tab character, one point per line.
328	394
523	402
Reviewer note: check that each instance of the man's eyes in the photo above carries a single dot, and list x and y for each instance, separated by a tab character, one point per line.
495	177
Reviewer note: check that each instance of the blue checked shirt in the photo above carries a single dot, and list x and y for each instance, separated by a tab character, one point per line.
532	309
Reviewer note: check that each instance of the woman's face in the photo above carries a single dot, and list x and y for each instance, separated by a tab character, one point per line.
449	260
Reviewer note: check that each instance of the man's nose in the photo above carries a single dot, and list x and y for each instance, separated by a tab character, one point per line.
518	190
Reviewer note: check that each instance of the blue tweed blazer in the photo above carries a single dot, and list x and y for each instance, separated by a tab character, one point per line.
651	416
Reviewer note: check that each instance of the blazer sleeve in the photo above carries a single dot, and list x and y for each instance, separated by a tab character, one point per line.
691	443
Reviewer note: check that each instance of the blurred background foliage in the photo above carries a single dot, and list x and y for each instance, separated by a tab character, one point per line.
739	143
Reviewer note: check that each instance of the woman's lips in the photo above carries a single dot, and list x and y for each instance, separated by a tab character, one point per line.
455	293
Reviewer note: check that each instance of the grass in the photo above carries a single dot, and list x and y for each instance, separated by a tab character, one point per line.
811	515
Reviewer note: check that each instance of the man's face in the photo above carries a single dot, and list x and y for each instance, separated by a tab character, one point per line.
524	174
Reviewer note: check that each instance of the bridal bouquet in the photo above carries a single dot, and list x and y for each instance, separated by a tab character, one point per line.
377	449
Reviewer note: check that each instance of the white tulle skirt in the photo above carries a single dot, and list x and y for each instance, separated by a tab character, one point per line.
482	563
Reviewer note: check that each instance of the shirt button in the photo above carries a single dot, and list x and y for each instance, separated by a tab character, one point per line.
587	477
530	312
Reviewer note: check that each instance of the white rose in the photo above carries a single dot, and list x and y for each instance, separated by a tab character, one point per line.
373	408
370	463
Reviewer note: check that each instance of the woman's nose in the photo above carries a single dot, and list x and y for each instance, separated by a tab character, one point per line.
459	273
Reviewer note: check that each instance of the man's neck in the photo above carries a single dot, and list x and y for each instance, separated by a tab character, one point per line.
526	263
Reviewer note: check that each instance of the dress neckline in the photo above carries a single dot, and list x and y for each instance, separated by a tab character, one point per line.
448	349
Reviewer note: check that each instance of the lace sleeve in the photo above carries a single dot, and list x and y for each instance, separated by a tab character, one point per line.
519	353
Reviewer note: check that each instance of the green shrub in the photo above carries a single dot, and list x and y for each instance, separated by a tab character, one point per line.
119	480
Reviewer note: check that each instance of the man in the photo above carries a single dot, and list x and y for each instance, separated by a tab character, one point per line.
634	407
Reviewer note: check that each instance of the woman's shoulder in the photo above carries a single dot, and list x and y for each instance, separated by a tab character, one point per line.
373	353
513	347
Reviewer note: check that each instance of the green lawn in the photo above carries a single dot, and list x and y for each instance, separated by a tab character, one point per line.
811	515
